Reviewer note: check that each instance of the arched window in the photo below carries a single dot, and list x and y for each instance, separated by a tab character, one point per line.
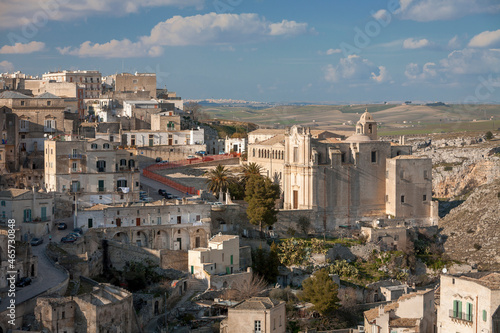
370	129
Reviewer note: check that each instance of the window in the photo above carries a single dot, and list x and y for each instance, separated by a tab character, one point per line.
24	125
123	162
105	146
63	315
93	146
374	157
22	103
3	203
468	312
402	199
27	215
295	154
198	218
48	104
484	315
101	166
121	183
74	166
424	197
50	125
426	174
257	326
342	158
457	309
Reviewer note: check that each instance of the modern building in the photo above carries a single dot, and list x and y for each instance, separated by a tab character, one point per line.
411	313
95	171
342	180
256	315
90	79
469	303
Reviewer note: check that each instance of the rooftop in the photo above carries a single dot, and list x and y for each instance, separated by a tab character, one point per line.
490	281
12	94
13	192
257	303
222	238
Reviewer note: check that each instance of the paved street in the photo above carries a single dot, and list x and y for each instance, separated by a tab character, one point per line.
152	186
48	276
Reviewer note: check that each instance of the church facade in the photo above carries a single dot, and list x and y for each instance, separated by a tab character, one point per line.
344	180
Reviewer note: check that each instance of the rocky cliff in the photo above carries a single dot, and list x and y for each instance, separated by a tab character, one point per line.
472	230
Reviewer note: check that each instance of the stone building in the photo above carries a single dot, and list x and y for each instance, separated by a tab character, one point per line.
91	80
412	313
341	181
149	138
26	264
222	256
9	144
469	303
94	170
256	315
105	309
388	238
32	211
236	145
167	121
126	82
189	223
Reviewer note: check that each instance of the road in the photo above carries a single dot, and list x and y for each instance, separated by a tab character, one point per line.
152	186
48	277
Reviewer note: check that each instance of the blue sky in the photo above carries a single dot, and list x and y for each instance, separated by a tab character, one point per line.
279	51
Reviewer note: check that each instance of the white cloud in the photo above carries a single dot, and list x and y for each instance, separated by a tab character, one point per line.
22	48
412	43
356	69
381	14
486	39
333	51
6	66
454	43
415	73
432	10
208	29
286	27
19	13
472	61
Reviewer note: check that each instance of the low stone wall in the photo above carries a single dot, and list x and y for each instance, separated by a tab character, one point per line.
174	259
229	280
119	254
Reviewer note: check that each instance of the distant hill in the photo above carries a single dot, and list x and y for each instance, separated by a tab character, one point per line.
473	228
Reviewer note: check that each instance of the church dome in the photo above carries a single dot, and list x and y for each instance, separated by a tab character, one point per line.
358	138
366	117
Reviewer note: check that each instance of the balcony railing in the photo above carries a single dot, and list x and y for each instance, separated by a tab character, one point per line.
75	156
462	316
75	170
101	189
49	129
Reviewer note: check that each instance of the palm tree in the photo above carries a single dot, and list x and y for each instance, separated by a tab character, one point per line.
218	179
250	169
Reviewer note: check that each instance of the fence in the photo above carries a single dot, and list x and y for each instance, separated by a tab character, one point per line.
149	171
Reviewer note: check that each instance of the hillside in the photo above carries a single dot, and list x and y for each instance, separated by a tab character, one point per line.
473	228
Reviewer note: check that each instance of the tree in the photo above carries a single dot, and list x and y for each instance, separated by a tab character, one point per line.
261	194
320	290
489	135
266	263
250	169
304	224
246	289
218	179
193	108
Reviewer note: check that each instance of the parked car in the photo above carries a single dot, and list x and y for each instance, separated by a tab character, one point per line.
217	204
23	282
158	159
62	226
168	195
75	234
78	230
162	192
147	199
36	241
68	239
201	152
191	157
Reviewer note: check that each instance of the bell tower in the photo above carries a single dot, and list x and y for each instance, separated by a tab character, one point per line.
367	126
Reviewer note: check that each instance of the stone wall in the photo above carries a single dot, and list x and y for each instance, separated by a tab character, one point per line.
229	280
119	254
174	259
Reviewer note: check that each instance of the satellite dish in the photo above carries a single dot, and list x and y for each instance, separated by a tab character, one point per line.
445	270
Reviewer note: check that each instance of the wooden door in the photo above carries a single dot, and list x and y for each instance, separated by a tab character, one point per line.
295	199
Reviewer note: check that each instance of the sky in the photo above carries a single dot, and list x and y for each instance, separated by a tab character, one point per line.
338	51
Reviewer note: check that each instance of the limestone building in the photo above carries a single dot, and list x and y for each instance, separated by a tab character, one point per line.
90	79
9	144
412	313
149	138
32	211
126	82
105	309
341	181
222	256
256	315
469	303
94	170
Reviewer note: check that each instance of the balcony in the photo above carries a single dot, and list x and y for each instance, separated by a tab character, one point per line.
461	317
49	129
101	189
75	156
75	170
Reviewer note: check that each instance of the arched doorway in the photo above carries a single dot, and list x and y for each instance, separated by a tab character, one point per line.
181	240
121	237
141	239
162	240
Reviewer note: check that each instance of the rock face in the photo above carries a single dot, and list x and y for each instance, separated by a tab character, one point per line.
472	230
460	165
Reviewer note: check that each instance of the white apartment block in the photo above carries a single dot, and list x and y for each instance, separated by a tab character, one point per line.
95	170
222	256
235	145
148	138
90	79
469	303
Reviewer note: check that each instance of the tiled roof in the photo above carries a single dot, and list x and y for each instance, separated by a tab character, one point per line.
13	94
411	295
491	281
47	95
372	314
280	138
267	131
257	303
98	207
403	322
13	192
